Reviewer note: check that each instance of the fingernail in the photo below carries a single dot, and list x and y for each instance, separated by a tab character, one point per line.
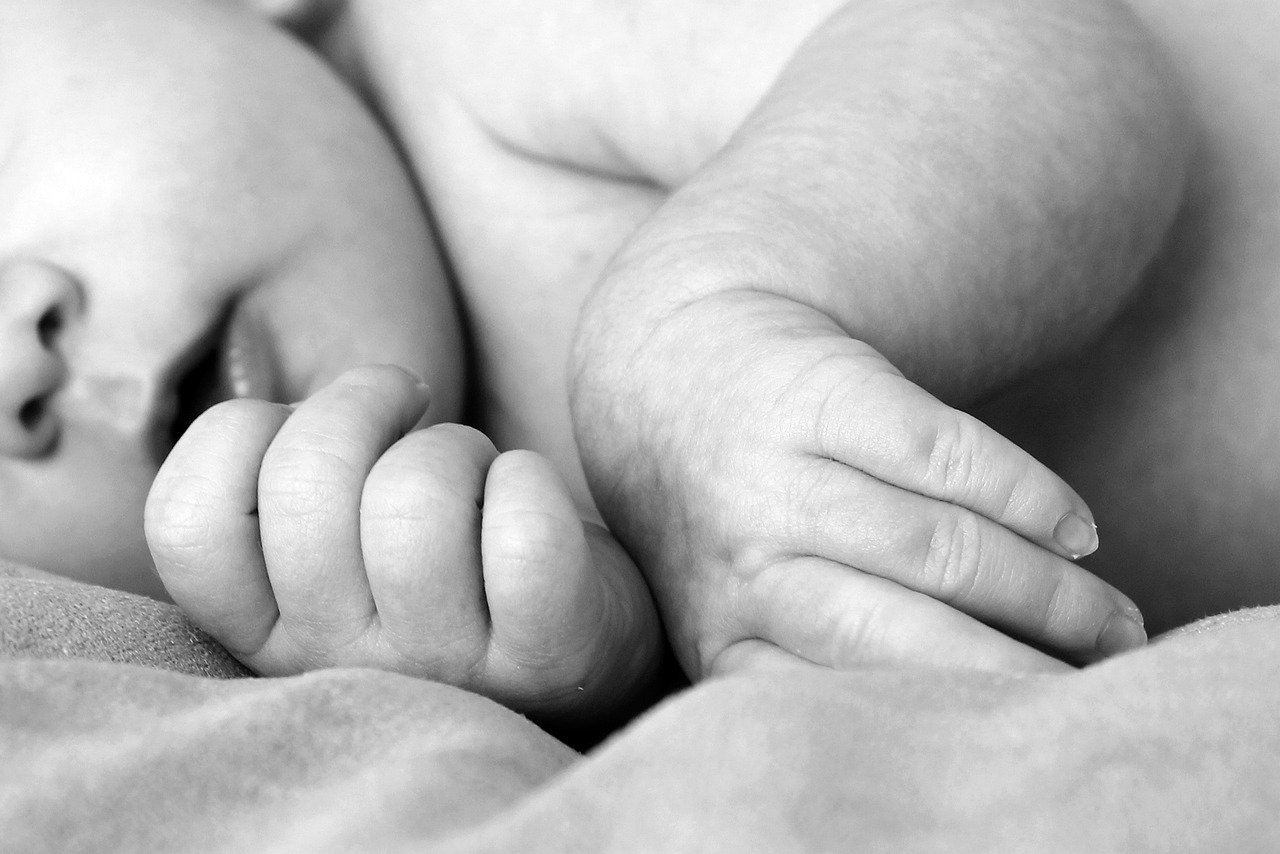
416	377
1131	610
1121	633
1077	536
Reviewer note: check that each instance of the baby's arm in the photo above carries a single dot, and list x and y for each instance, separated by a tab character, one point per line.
956	191
959	190
337	534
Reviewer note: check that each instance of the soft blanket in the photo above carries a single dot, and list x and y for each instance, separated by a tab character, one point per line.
1172	748
45	616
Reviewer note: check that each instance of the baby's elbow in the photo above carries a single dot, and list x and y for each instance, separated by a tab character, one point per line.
1122	91
1066	116
1097	131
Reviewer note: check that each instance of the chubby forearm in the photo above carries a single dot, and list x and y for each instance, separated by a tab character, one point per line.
971	188
954	192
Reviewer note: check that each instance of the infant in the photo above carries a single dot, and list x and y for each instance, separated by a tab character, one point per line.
757	233
217	243
200	212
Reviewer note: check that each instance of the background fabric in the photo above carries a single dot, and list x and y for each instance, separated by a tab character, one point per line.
46	616
109	745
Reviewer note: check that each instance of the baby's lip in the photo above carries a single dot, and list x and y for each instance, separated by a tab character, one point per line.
234	358
247	363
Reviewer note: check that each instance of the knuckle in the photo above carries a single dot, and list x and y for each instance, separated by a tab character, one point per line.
398	490
747	558
950	456
177	522
528	538
1051	608
833	389
842	388
861	637
807	508
953	557
1009	495
305	482
432	468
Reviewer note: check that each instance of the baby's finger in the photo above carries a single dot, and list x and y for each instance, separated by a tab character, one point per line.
757	656
820	611
202	523
309	492
420	536
897	432
959	557
546	601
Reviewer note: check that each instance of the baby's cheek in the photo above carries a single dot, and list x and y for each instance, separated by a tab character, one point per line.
79	515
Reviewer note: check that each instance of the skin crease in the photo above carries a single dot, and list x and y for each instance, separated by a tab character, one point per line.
144	245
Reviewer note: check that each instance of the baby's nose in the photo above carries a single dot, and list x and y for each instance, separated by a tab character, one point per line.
36	301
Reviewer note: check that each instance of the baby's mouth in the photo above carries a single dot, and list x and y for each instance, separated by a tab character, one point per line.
235	359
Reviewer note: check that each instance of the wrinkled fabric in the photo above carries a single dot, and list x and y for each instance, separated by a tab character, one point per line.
45	616
1173	748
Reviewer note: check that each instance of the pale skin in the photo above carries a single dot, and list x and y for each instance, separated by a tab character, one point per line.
131	241
775	475
198	218
1169	426
339	532
1166	747
1092	758
305	536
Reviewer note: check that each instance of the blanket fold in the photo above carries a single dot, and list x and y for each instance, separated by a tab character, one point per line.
45	616
114	736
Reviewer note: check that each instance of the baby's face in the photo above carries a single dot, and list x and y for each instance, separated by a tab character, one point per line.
191	208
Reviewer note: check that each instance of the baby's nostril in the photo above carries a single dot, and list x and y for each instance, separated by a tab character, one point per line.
49	325
31	413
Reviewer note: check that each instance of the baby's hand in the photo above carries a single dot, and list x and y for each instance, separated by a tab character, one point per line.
337	534
792	486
